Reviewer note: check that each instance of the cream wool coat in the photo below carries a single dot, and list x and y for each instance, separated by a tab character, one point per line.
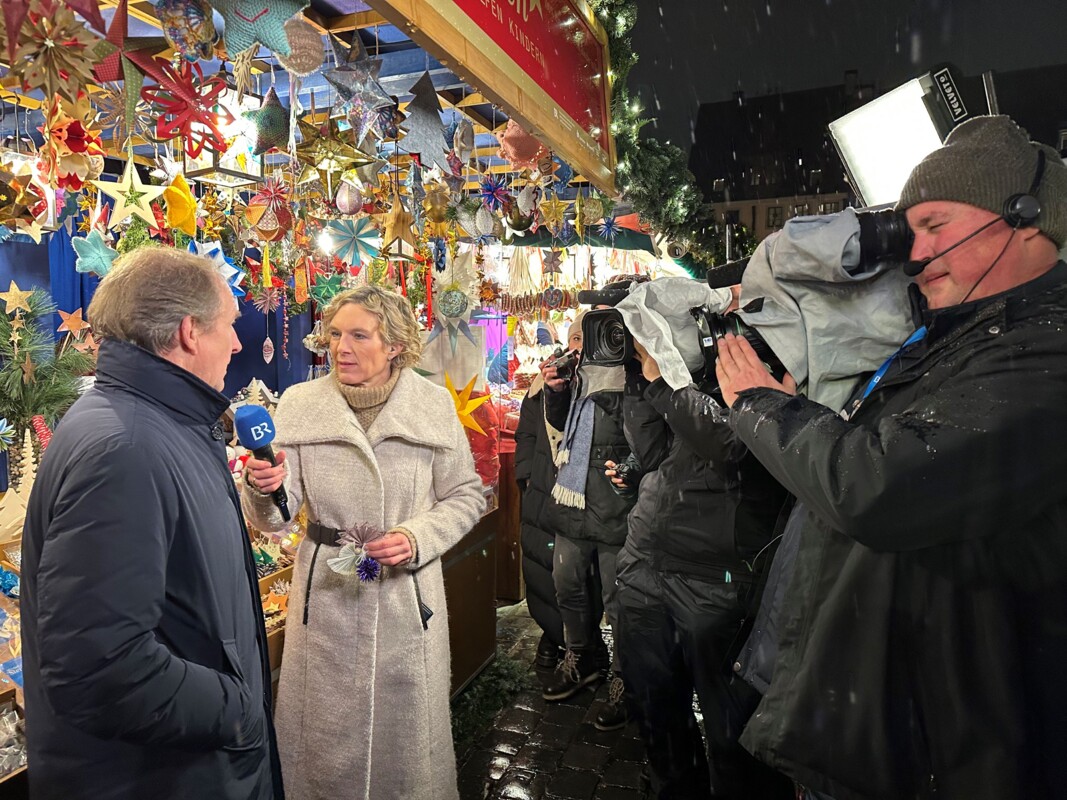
362	707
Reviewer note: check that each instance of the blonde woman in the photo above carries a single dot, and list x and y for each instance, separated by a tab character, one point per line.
377	455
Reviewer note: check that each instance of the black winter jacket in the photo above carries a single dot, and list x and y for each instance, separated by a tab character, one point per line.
603	520
924	634
705	507
145	659
536	475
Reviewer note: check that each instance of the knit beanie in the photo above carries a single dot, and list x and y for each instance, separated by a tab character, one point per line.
985	161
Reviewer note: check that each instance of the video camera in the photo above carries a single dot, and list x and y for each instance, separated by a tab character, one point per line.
884	236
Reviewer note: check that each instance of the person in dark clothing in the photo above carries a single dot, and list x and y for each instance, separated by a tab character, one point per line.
145	659
589	519
924	631
536	475
687	582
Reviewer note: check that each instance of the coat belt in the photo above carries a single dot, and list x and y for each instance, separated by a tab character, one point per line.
320	534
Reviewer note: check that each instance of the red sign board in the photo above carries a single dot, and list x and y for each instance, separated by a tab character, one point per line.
554	45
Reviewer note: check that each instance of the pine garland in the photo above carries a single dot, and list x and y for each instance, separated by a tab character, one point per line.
654	177
55	383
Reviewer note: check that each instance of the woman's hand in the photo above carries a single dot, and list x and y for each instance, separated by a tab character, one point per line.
392	550
263	477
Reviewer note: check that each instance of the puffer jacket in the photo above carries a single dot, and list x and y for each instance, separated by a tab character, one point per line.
705	506
924	632
603	520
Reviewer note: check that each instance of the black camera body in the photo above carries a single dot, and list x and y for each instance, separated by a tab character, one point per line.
566	363
714	326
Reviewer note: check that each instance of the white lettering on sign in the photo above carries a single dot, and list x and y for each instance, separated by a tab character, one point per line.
526	7
261	430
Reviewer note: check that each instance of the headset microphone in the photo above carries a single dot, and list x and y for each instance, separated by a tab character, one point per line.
255	431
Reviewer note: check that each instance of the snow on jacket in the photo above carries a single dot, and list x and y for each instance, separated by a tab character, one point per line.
144	652
924	633
363	698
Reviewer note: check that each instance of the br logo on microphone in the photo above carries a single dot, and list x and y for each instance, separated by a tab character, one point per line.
261	432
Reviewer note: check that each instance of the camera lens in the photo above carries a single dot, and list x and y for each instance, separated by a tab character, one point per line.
607	342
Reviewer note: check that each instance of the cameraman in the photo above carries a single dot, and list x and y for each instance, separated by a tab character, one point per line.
924	633
589	519
688	578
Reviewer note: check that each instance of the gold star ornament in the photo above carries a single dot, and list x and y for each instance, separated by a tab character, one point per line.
465	406
28	369
72	323
15	298
131	196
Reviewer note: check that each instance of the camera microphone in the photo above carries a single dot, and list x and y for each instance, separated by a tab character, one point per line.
255	432
913	268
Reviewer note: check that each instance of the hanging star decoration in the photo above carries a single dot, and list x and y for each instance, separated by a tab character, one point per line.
552	211
188	106
494	193
465	404
57	53
270	123
86	345
551	264
324	148
181	206
73	152
15	298
130	196
424	133
227	268
113	119
355	74
455	297
110	68
89	9
269	211
325	288
397	226
263	21
72	323
608	229
94	254
355	241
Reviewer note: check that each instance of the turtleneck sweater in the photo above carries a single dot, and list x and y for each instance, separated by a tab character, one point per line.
368	401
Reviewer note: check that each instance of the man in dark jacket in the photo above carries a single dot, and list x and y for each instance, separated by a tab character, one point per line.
924	633
687	581
144	648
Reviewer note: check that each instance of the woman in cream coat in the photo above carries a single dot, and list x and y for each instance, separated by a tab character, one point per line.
362	707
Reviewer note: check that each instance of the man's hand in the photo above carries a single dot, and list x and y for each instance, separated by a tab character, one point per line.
263	477
613	475
739	368
552	380
649	367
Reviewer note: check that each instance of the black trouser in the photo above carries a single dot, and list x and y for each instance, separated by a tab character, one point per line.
678	634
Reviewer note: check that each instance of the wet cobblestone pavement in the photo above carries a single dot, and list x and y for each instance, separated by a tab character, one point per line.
537	749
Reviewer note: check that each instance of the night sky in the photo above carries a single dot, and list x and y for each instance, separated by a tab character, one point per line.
694	51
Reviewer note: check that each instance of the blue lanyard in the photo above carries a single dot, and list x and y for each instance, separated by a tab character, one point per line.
882	370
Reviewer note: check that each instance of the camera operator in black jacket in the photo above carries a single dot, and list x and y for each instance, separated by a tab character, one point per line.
688	579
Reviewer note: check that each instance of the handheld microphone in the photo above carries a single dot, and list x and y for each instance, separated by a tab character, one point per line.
255	431
913	268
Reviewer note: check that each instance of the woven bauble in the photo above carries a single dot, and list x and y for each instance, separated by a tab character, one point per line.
306	44
348	199
484	222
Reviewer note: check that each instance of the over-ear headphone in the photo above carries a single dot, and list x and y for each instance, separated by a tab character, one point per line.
1022	210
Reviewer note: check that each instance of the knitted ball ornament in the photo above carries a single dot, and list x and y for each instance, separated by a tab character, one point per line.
305	43
985	161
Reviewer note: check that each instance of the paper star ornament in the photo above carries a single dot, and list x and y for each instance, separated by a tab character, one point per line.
28	370
325	149
72	323
356	73
86	345
227	268
57	53
552	211
325	288
397	226
15	298
354	240
551	264
14	15
270	123
465	405
424	133
263	21
130	196
94	255
181	206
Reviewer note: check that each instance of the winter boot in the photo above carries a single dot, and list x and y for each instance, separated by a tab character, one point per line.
548	653
615	714
577	670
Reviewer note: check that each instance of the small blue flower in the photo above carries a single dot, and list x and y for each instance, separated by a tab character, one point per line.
368	570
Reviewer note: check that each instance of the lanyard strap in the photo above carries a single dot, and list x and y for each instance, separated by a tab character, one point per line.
882	370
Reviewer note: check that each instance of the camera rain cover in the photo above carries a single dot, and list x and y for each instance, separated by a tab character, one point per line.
657	315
